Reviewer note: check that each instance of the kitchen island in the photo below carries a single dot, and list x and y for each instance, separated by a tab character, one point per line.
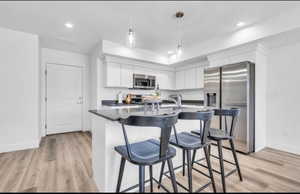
107	133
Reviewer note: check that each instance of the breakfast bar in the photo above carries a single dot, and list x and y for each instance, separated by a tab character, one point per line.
107	133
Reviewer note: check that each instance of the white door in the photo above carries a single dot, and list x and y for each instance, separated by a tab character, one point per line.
63	98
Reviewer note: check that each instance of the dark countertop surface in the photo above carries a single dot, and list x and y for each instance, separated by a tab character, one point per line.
117	114
183	102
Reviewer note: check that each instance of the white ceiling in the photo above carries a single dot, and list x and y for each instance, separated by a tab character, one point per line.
154	23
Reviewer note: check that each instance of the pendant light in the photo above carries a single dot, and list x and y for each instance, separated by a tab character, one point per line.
131	38
179	16
131	34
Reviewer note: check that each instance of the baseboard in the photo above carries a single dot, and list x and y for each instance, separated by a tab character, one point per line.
19	146
259	149
286	148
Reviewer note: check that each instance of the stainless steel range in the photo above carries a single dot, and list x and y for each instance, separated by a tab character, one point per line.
233	86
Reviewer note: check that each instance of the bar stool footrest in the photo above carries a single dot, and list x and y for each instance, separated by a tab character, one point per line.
185	188
214	170
137	185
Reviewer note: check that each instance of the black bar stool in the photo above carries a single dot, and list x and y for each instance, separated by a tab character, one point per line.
188	142
149	152
220	135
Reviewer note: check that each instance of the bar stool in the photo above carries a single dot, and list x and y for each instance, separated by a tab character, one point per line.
149	152
220	135
188	142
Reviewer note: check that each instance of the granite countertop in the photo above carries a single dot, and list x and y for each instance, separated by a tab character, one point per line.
165	102
117	114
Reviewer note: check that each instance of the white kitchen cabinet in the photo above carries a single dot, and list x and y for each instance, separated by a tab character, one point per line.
199	77
171	80
126	76
113	75
190	78
180	80
142	70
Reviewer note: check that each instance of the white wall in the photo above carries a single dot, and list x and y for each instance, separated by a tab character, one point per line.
65	58
283	95
19	83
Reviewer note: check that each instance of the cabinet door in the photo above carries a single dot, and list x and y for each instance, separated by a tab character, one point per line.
126	76
199	77
171	80
141	70
180	80
162	80
113	75
190	78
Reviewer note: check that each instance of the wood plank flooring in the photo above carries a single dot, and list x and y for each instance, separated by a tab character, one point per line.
63	164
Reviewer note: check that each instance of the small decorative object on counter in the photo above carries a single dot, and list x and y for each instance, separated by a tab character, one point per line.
157	91
128	99
120	98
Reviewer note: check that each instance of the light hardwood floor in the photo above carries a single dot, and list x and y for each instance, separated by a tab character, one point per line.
63	163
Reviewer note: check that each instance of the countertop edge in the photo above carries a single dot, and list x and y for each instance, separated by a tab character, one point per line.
95	112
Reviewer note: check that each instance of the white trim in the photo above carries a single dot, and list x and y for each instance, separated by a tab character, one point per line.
51	132
286	148
20	146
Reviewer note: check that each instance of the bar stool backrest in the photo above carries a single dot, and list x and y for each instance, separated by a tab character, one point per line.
228	114
164	122
205	120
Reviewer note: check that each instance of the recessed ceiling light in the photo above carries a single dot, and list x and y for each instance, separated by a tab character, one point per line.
69	25
240	24
170	52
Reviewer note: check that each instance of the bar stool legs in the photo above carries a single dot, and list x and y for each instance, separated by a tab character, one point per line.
151	178
141	179
171	169
189	164
207	156
121	171
173	179
194	157
235	159
183	162
221	165
161	172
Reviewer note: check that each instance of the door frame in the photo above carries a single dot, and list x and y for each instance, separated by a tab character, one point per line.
45	94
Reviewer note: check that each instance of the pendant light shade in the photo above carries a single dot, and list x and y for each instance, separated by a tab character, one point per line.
131	38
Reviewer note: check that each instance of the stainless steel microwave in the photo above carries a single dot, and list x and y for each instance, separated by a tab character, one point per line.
141	81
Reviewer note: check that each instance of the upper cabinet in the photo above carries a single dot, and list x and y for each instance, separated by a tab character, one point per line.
199	77
119	74
190	78
113	74
165	79
180	80
127	76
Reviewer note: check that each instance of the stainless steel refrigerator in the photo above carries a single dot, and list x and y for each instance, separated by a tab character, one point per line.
233	86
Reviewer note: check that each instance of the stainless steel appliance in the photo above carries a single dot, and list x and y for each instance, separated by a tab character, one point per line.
141	81
233	86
